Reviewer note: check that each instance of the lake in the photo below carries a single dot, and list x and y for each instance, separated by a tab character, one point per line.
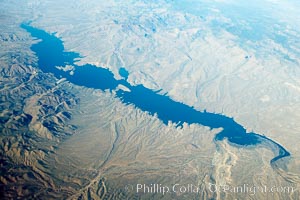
51	55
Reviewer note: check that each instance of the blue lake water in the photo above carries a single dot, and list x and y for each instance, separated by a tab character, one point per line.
124	73
50	53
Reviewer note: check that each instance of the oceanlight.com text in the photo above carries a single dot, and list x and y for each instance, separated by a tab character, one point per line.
157	188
